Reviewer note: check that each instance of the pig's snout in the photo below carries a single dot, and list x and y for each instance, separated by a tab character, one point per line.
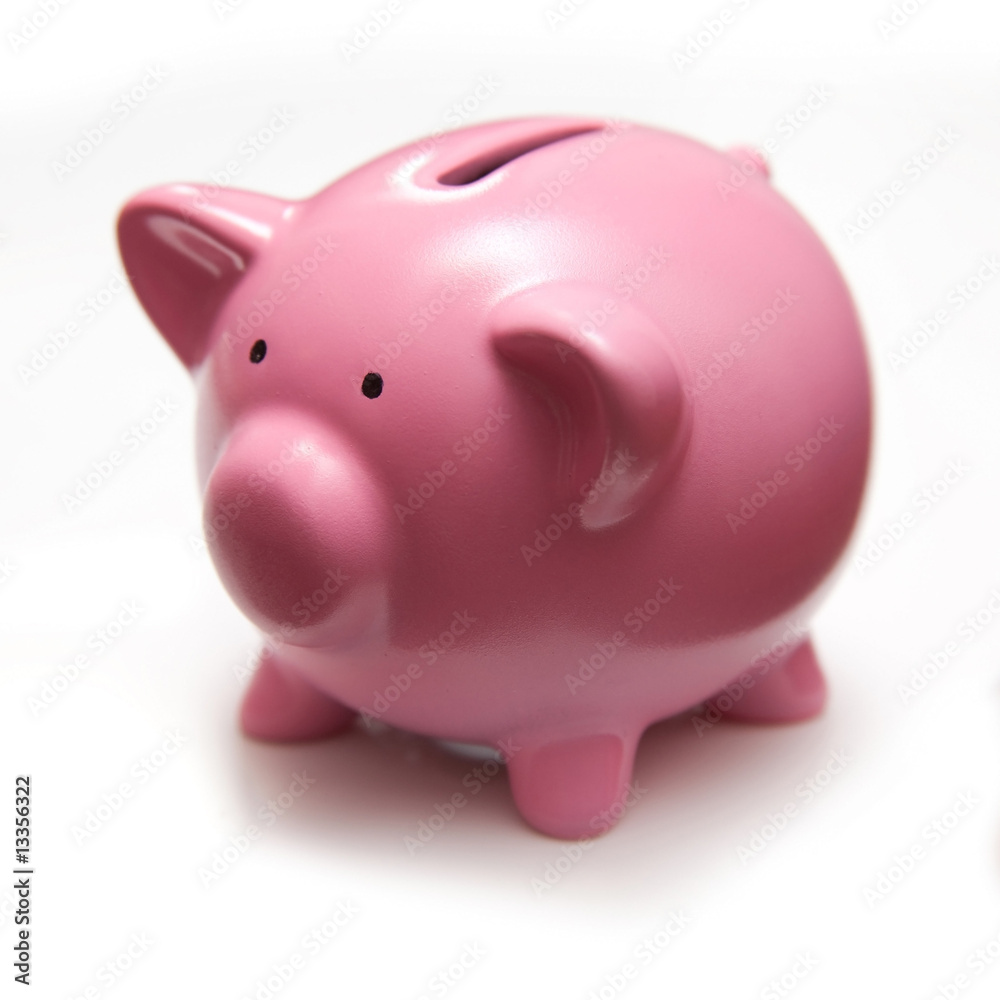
298	531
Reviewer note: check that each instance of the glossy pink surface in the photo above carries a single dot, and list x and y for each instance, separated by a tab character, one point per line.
620	443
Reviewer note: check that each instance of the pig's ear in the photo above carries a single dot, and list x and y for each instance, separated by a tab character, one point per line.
608	375
185	247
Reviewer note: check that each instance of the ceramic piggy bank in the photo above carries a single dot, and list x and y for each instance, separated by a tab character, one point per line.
528	435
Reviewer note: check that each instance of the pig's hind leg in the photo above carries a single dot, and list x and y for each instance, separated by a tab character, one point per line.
573	788
792	690
281	707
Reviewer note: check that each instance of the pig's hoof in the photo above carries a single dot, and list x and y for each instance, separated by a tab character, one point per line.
793	690
281	707
573	788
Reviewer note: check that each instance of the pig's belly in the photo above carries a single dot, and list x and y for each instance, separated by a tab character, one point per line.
559	687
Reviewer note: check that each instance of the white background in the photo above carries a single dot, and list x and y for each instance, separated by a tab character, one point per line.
175	668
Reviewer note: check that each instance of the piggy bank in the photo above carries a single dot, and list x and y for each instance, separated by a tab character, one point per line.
526	436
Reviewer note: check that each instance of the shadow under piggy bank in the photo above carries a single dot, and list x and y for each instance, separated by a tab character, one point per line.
705	799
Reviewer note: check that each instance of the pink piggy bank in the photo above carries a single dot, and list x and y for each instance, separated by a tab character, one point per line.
527	435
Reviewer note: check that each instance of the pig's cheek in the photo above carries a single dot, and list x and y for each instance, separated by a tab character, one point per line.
302	553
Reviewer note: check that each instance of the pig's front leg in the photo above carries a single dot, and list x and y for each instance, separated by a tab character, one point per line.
792	690
573	788
281	707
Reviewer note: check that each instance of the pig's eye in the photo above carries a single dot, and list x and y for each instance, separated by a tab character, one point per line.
258	351
372	384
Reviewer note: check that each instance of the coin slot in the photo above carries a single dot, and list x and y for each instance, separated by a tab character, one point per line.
486	163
